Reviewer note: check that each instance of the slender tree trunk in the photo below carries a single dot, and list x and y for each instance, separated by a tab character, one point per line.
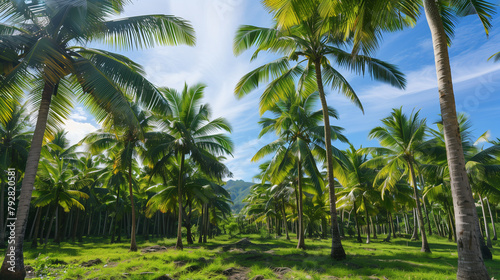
202	226
470	262
297	203
337	251
414	236
178	245
133	244
75	225
373	228
34	243
33	224
17	270
492	220
284	218
367	224
188	226
357	222
116	226
301	244
49	230
425	245
389	220
486	229
427	216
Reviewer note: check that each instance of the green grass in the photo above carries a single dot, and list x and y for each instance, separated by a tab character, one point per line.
400	259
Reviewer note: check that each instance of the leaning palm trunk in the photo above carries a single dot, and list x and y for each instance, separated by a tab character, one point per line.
337	251
486	228
470	261
425	245
133	245
18	271
178	245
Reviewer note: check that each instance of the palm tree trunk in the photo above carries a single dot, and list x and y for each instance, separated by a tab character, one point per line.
133	244
297	203
427	216
178	245
425	245
486	229
367	224
357	221
15	270
470	261
373	228
414	236
492	220
34	243
75	225
389	220
188	225
116	225
284	218
337	251
301	244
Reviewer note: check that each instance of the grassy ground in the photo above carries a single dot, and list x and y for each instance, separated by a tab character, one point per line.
400	259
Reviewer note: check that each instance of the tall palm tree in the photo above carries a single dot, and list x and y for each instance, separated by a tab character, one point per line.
127	143
310	43
440	18
40	38
359	185
402	138
301	136
190	131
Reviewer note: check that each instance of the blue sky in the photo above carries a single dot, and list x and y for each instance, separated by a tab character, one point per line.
212	62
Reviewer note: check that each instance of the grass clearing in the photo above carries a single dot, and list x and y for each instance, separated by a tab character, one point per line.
271	258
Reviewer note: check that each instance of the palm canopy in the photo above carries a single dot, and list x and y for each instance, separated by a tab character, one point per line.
301	137
309	43
44	44
402	140
189	130
365	21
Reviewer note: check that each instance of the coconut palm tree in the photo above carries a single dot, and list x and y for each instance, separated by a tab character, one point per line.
127	142
358	188
190	132
440	18
40	39
310	43
402	138
301	136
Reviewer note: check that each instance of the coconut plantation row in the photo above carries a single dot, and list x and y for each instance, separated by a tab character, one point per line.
146	195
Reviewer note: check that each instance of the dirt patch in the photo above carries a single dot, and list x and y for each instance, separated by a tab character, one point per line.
234	273
91	263
153	249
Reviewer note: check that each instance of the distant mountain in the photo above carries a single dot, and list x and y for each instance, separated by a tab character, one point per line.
239	189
